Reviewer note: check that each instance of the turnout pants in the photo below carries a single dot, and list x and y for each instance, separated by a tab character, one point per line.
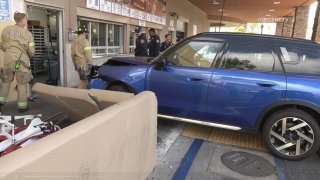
23	77
83	74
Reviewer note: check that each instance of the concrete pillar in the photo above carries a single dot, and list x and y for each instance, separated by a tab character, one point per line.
279	28
316	25
301	22
288	26
318	32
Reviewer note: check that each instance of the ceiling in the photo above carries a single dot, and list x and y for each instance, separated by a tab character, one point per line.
242	11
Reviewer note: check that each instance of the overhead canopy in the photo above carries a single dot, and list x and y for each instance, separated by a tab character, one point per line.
242	11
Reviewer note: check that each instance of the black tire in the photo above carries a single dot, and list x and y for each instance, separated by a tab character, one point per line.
119	88
306	137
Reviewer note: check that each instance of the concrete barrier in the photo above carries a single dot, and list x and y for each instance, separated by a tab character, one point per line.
79	103
116	143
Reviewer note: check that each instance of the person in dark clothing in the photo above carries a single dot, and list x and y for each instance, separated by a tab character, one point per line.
167	43
141	43
154	43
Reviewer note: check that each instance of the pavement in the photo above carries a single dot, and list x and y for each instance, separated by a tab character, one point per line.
182	157
191	158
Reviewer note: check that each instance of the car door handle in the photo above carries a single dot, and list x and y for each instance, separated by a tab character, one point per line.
194	79
266	84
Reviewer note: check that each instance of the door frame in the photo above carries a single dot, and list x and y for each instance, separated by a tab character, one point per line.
62	78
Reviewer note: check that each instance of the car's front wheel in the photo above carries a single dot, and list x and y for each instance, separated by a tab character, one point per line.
292	134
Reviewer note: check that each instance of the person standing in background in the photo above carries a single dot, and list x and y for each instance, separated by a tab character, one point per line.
167	43
141	43
154	43
19	47
82	56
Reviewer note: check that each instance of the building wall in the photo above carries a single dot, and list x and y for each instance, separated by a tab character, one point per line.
301	22
74	9
279	28
186	11
288	27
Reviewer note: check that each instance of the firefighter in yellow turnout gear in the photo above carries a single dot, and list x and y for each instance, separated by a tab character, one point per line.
82	56
18	45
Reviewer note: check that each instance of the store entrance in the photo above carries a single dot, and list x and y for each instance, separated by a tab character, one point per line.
180	36
44	24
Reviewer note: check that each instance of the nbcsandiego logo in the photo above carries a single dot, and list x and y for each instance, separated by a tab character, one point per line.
273	19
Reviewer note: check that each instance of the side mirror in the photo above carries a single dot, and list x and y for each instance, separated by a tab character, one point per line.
160	65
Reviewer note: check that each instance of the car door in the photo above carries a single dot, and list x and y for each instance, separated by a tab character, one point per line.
250	79
181	85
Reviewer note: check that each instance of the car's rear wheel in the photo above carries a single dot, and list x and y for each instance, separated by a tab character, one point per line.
119	88
292	134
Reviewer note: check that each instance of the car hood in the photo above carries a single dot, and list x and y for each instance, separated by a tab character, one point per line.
129	60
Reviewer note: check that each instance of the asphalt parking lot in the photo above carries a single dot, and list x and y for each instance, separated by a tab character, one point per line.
194	152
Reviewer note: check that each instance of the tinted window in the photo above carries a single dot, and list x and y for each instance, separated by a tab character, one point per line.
309	63
290	54
249	57
194	54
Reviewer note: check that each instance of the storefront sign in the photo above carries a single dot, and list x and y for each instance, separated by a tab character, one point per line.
149	17
142	23
171	23
125	11
105	6
171	29
163	21
93	4
151	11
4	10
135	14
116	8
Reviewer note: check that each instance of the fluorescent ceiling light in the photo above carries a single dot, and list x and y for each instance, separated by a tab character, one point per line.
276	2
271	10
267	15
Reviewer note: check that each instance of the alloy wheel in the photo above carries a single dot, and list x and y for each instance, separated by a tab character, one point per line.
291	136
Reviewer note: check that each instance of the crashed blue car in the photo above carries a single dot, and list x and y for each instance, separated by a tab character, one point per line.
251	83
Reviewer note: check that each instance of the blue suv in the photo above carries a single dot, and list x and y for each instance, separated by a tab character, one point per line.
234	81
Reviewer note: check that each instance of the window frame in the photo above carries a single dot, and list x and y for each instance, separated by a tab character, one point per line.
295	63
283	61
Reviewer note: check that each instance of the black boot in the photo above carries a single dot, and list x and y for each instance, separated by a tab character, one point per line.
23	110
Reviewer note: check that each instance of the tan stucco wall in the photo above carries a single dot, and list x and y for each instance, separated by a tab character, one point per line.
188	11
117	143
72	9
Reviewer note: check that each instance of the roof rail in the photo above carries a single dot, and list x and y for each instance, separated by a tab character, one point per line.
258	35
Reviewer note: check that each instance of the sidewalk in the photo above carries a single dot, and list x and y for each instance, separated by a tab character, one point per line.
48	112
192	158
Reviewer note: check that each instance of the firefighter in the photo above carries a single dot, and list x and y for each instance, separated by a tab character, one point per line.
18	45
82	56
154	43
141	43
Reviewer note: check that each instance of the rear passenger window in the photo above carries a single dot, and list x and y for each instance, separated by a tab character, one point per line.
309	63
250	57
290	54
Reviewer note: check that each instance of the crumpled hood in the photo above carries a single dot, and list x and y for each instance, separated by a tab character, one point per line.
129	60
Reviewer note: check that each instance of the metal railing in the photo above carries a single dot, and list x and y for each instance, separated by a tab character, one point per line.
131	49
104	51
